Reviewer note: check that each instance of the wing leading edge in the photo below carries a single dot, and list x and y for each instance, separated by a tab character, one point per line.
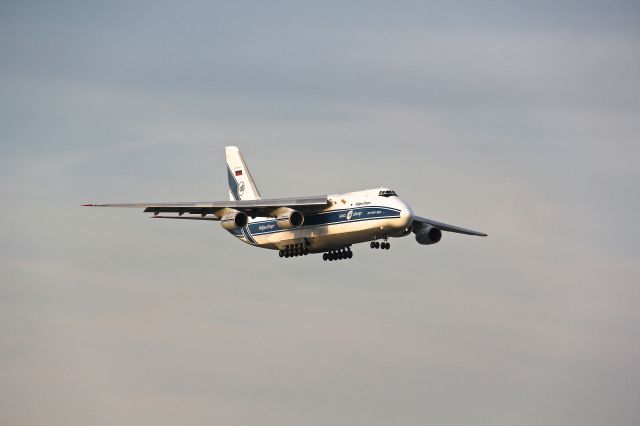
446	227
260	207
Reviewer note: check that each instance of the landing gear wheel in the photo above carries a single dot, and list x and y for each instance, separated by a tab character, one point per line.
349	254
324	256
281	253
372	245
377	245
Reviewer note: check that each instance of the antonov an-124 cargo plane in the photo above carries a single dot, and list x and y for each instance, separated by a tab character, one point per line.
328	224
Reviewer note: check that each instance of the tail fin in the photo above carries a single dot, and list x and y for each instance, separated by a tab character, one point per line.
241	185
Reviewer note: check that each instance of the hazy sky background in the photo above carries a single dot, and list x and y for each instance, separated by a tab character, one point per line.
517	119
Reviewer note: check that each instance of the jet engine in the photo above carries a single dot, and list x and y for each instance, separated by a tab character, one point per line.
428	235
233	219
289	218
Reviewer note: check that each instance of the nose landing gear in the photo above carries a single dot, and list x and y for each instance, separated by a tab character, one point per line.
385	245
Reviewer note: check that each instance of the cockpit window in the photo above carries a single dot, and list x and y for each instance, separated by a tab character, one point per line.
387	193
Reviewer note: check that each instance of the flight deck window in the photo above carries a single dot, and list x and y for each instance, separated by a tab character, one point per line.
387	193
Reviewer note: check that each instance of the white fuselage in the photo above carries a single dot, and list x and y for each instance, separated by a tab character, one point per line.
350	218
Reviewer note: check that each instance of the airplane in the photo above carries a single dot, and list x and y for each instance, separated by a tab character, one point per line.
297	226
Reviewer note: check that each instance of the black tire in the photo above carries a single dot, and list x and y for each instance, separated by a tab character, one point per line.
324	256
372	244
281	253
306	251
349	254
377	245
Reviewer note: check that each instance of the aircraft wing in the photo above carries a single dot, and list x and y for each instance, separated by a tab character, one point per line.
260	207
445	227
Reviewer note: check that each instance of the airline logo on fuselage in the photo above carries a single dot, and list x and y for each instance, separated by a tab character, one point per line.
267	227
351	214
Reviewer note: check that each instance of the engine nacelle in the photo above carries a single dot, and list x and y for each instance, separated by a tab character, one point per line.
289	218
233	219
428	235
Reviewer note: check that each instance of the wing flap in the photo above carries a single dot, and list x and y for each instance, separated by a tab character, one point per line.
215	219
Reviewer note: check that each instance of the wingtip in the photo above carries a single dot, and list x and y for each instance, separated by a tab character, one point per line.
88	205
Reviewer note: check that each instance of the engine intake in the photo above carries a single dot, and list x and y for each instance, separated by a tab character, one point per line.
428	235
289	218
234	219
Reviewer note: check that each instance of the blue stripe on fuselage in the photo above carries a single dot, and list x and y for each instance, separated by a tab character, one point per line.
332	217
247	234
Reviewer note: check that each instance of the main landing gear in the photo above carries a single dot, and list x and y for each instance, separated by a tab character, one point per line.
385	245
343	253
294	250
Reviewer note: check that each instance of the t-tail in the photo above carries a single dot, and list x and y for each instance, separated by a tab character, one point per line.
241	184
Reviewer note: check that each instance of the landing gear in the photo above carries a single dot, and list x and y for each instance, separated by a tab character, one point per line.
343	253
294	250
385	245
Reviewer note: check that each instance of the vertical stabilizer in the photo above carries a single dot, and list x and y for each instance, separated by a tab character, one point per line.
241	184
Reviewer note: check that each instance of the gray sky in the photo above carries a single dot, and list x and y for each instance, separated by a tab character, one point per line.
517	119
